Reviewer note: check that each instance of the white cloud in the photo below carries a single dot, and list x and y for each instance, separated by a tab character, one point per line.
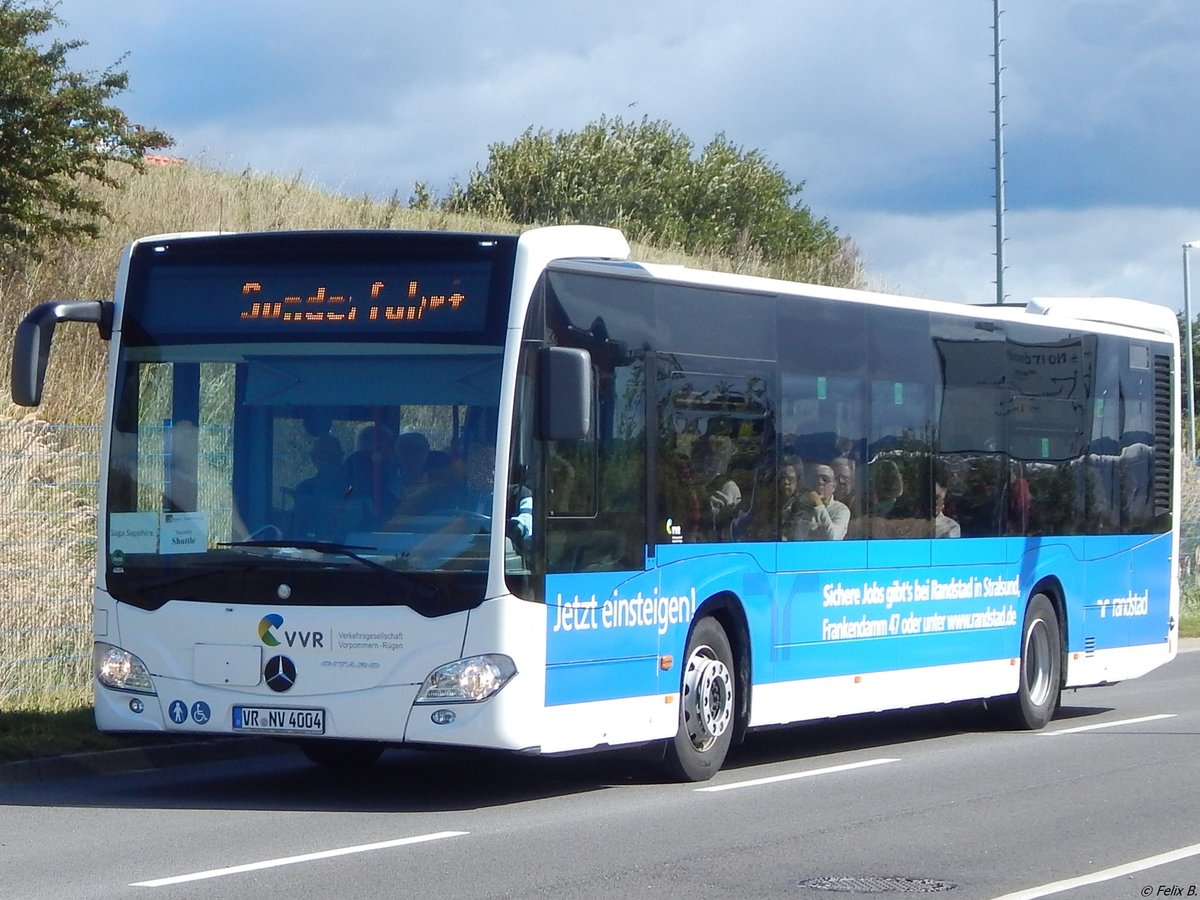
1102	251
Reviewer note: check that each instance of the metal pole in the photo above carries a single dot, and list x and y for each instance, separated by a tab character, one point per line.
1187	351
999	97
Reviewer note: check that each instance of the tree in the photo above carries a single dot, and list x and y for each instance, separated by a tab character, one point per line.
645	178
59	135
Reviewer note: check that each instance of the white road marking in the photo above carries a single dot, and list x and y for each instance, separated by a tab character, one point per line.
1106	725
808	774
1138	865
291	860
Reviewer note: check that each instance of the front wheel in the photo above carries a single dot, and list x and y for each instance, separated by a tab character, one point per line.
707	701
1037	697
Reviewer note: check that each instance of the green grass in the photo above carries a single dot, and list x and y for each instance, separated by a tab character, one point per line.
35	734
1189	613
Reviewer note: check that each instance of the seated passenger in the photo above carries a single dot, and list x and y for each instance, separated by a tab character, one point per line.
520	515
887	485
719	497
790	476
700	498
446	483
846	471
409	482
318	510
814	515
412	453
1020	500
370	468
943	525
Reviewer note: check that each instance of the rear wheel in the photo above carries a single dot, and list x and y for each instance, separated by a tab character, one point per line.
707	702
1037	697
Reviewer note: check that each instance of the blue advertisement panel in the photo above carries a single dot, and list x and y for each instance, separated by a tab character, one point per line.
838	623
1128	593
607	632
603	634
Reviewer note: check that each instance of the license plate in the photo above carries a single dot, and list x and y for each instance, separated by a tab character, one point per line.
278	720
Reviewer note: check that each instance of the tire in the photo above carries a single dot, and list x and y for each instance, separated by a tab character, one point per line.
707	705
341	754
1040	690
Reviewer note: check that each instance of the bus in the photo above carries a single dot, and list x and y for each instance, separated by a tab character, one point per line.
386	488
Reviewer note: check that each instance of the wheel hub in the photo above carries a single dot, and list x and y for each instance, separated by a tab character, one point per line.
1038	664
708	698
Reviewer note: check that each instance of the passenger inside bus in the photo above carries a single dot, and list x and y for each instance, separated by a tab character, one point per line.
370	469
718	496
321	504
446	487
943	525
701	498
1020	499
887	486
409	480
846	471
789	491
811	513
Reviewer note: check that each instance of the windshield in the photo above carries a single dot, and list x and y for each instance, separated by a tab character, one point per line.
323	473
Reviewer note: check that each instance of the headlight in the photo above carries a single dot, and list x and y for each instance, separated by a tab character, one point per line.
467	680
121	670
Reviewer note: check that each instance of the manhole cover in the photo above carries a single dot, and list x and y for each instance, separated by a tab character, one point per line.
877	884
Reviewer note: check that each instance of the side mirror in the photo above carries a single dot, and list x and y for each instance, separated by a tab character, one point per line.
564	393
31	345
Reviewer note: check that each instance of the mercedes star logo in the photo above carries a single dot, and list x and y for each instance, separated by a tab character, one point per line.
280	673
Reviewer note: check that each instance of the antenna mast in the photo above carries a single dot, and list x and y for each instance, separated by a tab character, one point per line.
999	112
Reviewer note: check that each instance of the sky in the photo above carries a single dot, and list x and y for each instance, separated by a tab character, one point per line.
882	108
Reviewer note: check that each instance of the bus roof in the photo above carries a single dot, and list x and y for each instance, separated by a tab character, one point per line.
1148	318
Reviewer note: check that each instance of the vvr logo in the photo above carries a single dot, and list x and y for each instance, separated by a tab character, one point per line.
270	627
266	629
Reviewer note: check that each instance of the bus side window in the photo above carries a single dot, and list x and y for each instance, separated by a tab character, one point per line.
903	370
716	435
595	492
823	404
971	403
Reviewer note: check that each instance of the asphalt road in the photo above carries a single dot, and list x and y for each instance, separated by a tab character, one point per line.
921	802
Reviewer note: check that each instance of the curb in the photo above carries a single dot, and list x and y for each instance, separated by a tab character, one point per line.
133	759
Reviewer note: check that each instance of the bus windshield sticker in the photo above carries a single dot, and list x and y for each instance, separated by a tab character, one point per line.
132	532
183	533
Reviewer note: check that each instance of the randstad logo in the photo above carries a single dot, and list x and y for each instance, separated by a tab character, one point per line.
266	629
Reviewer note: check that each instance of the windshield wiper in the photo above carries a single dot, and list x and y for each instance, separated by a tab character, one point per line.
422	589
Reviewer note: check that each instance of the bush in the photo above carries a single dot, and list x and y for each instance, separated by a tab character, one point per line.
645	179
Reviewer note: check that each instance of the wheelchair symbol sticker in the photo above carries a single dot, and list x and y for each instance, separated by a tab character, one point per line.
201	713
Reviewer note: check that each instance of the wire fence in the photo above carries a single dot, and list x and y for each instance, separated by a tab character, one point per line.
48	477
48	481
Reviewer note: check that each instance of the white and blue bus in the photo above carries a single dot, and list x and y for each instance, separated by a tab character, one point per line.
455	490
